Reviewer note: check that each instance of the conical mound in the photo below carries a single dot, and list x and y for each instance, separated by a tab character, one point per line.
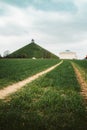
32	50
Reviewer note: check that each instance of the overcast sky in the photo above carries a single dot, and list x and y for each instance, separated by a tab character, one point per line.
56	25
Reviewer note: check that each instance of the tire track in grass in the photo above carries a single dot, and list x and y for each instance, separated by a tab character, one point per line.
81	81
15	87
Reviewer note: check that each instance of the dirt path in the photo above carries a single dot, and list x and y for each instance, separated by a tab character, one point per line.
82	82
13	88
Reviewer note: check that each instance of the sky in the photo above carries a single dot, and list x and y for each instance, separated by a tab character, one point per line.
56	25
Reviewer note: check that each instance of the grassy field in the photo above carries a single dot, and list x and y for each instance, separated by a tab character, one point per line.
52	102
82	66
15	70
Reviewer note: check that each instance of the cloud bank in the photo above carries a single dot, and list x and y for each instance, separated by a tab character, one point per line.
56	25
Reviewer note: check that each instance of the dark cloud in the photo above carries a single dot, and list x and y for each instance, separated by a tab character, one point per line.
46	5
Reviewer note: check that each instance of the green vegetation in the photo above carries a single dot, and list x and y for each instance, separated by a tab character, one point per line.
32	50
0	56
82	66
14	70
52	102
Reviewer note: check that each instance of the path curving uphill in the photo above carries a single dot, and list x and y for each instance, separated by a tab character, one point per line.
15	87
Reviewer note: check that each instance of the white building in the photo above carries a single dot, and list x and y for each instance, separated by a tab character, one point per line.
67	55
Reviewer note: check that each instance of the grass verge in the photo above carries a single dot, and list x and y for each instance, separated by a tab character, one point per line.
14	70
52	102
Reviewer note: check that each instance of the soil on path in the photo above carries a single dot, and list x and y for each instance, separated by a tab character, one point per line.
15	87
82	82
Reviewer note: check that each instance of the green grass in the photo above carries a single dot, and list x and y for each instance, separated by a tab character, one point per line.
82	66
14	70
52	102
32	50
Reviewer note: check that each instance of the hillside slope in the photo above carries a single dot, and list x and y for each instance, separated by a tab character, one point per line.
32	50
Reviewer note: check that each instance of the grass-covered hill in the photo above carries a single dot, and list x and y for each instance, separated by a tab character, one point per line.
32	50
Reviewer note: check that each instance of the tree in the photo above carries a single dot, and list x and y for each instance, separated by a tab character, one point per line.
0	56
86	57
6	53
